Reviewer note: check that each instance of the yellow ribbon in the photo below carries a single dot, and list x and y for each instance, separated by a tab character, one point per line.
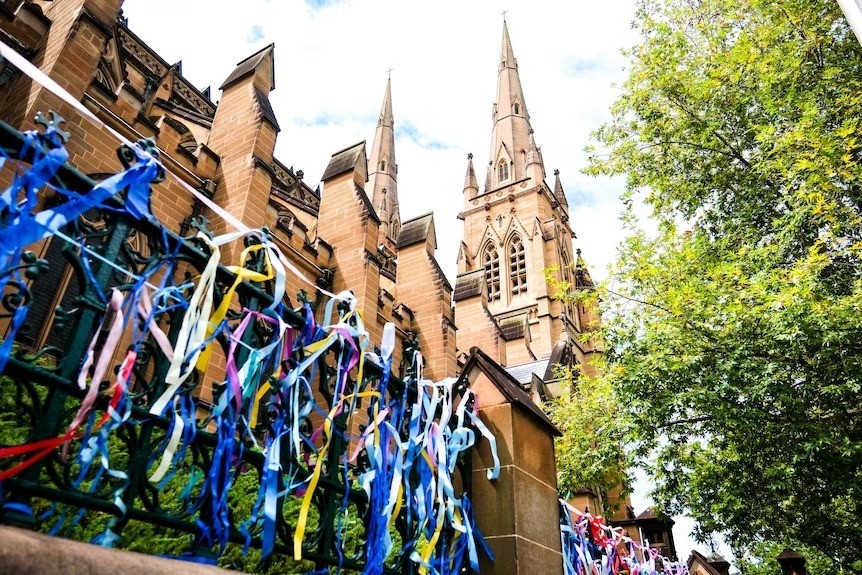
242	274
299	533
429	548
311	349
318	468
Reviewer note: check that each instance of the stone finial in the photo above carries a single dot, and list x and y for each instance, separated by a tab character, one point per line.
471	185
559	193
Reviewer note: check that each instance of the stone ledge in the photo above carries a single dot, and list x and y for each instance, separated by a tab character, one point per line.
27	553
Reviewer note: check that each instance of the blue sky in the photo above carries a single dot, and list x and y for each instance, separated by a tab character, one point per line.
332	60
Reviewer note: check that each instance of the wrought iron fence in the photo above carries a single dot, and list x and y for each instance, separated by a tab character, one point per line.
65	291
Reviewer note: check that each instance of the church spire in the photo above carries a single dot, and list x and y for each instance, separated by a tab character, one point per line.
507	55
511	135
383	174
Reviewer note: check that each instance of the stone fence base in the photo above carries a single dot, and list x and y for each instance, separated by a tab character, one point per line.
26	553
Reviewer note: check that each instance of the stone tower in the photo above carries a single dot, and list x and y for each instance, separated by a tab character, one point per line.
383	175
516	227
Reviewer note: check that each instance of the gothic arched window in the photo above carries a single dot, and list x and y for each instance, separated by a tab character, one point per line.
517	265
503	171
492	272
517	108
383	166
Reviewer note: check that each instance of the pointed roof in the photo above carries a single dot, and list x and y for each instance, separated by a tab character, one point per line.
507	54
525	372
265	106
558	190
470	182
791	561
383	170
712	565
386	117
469	284
247	66
344	160
417	230
508	386
789	553
697	557
511	130
533	156
648	513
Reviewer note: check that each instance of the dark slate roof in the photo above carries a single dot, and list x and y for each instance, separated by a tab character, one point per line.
363	197
788	553
507	385
561	354
440	272
558	189
470	284
344	161
696	556
537	385
416	230
513	328
523	373
582	274
648	513
266	108
247	67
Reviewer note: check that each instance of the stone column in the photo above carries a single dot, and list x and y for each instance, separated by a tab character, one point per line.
519	512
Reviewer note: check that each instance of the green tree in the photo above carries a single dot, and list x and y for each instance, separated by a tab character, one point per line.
591	451
734	331
761	560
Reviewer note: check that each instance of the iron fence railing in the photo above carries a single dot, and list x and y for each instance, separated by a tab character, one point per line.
64	291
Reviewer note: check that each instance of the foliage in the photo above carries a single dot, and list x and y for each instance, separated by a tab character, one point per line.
733	331
762	561
591	452
151	539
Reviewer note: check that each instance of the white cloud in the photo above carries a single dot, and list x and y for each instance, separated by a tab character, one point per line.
331	65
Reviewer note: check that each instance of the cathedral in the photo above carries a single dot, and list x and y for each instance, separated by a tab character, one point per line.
516	226
499	327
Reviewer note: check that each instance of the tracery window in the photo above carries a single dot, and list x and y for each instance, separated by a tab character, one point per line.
503	171
517	266
492	272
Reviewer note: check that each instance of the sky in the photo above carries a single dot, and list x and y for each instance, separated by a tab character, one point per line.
332	59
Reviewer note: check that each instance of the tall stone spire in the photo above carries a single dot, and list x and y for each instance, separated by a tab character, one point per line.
383	174
511	135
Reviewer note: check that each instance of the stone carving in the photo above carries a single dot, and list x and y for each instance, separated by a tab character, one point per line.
297	194
289	187
189	95
109	72
141	54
